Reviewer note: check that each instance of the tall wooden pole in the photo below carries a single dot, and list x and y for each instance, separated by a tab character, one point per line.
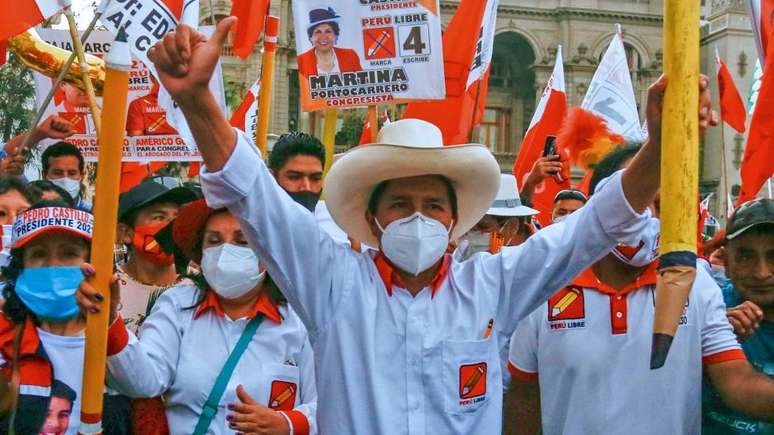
329	136
267	81
679	172
111	142
373	121
78	49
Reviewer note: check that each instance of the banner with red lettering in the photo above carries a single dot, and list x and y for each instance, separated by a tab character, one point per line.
361	53
149	135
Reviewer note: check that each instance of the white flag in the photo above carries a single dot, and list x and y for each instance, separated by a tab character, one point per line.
483	56
611	94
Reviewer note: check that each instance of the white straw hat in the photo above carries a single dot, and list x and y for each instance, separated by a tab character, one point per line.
409	148
508	201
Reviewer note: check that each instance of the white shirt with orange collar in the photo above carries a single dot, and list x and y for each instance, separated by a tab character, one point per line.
390	363
183	348
589	348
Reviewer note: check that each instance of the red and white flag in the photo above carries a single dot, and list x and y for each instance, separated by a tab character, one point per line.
365	134
611	95
467	61
245	117
757	163
249	27
547	120
23	14
762	17
732	110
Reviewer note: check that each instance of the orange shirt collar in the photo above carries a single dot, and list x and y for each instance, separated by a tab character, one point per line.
264	305
587	279
388	276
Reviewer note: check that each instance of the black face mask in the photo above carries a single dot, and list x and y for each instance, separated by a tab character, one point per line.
307	199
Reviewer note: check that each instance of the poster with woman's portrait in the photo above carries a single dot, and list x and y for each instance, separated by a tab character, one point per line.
366	52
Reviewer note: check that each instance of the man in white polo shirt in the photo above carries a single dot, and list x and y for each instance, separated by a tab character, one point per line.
404	336
581	359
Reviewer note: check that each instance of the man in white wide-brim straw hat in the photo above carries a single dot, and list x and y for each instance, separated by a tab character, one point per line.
506	223
403	335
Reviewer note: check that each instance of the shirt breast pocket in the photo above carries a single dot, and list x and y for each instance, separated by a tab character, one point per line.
283	386
467	375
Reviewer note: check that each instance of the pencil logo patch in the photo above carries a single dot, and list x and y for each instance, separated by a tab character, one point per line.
472	383
567	309
283	395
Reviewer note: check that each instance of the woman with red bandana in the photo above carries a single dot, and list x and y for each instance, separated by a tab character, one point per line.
143	211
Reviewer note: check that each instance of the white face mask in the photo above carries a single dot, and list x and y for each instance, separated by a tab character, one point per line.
478	241
559	218
231	270
414	243
72	187
646	250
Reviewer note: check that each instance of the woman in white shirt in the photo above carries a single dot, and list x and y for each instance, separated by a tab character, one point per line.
193	329
41	327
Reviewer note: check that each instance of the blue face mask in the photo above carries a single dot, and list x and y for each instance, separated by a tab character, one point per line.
49	292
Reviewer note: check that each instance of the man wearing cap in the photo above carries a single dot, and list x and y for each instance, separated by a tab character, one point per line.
506	223
581	358
404	337
142	212
749	294
567	202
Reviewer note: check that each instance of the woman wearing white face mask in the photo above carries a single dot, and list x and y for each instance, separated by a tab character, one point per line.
227	354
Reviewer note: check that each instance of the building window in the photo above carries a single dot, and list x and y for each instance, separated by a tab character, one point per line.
494	128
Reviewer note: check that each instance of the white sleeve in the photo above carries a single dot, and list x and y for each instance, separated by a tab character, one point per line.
523	355
308	405
308	266
146	367
526	275
718	342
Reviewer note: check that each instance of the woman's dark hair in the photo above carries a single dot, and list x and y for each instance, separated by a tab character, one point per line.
39	187
612	163
14	308
12	183
334	25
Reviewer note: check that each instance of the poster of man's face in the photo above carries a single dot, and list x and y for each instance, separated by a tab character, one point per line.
59	409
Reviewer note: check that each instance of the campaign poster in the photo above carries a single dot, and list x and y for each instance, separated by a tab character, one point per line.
366	52
149	135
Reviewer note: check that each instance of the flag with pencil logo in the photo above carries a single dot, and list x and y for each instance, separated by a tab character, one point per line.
283	395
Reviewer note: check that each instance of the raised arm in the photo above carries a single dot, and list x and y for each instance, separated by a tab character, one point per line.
284	235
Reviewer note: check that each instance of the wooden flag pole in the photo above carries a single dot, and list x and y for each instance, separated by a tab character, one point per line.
111	141
78	49
373	121
267	81
679	172
329	136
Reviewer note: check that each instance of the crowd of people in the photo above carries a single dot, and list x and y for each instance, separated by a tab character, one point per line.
419	297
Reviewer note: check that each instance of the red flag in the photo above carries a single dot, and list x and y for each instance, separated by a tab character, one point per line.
365	134
546	121
245	117
762	17
758	164
249	27
466	68
732	109
23	14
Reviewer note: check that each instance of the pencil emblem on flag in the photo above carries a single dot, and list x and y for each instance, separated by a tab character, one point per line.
472	380
379	43
566	304
283	395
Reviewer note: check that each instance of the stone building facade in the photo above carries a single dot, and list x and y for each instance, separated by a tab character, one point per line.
528	35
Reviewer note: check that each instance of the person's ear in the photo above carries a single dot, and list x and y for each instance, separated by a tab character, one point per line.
375	230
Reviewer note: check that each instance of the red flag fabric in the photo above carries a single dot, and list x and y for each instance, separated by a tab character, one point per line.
249	27
466	67
365	134
732	110
546	121
758	164
23	14
761	16
245	117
